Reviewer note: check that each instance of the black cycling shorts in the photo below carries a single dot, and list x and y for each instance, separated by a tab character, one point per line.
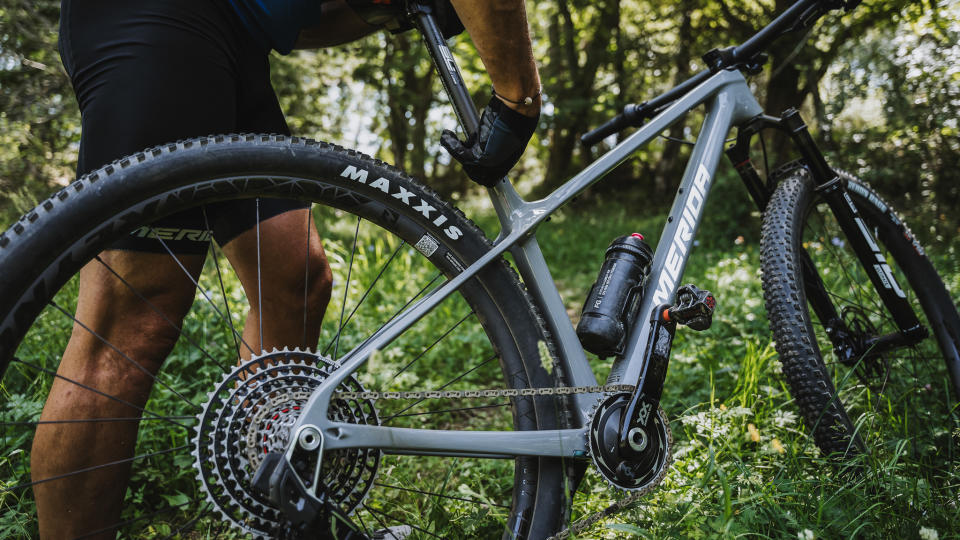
149	72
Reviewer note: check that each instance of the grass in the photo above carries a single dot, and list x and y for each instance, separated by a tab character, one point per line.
744	465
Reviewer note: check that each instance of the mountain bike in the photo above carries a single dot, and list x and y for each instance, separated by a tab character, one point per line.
445	393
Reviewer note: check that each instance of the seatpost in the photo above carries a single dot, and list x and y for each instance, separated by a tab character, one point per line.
449	72
503	195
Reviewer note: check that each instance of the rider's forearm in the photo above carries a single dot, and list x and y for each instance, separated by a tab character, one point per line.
499	31
340	25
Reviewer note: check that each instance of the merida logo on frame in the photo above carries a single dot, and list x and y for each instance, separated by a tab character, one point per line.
682	239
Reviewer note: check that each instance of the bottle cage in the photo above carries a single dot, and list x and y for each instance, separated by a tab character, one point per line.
396	15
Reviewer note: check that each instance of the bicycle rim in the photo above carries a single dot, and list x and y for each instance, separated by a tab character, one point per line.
483	337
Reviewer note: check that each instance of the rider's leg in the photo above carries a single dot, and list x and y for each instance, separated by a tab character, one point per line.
141	80
117	345
121	339
288	270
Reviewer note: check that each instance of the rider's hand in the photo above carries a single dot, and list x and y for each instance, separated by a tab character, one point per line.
495	148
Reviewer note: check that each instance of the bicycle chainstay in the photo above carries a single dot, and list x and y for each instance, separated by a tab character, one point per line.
581	524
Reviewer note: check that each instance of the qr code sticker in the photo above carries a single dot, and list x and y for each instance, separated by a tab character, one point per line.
427	245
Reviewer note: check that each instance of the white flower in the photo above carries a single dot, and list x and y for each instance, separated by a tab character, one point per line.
706	425
734	412
805	534
784	418
929	534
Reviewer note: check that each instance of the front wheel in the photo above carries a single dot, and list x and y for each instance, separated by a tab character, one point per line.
389	241
855	394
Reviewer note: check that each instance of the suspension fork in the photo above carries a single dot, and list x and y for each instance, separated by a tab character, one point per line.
834	191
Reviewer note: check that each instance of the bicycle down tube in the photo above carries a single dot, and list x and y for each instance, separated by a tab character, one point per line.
729	102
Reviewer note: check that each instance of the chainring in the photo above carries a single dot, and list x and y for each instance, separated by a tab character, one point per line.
629	474
249	414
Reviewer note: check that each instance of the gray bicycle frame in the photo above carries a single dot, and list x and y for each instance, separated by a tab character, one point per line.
729	102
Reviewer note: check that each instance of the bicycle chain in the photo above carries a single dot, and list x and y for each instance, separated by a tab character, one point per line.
509	392
582	524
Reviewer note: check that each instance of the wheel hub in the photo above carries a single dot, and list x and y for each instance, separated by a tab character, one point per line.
249	415
644	463
871	367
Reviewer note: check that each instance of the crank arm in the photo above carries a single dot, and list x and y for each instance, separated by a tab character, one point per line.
646	398
694	308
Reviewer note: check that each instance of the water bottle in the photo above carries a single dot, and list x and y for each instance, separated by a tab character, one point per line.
613	299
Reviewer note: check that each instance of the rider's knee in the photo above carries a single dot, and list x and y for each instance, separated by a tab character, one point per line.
158	336
320	282
136	349
305	276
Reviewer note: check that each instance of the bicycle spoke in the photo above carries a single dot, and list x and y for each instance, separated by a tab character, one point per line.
386	515
223	293
259	280
125	357
306	276
448	383
141	518
431	346
395	314
190	523
365	294
494	406
438	495
346	290
366	529
94	468
94	390
196	284
157	310
93	420
860	300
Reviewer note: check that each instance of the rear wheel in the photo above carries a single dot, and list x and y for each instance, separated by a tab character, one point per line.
855	395
389	242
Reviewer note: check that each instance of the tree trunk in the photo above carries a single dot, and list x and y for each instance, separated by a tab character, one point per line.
409	80
572	68
670	166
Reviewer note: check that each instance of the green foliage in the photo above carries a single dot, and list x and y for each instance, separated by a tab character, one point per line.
39	124
893	114
744	464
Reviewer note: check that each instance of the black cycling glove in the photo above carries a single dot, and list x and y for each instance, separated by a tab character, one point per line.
495	148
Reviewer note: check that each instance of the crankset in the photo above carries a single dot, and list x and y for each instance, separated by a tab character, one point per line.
651	442
629	435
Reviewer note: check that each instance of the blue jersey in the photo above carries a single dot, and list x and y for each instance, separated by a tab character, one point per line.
277	23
